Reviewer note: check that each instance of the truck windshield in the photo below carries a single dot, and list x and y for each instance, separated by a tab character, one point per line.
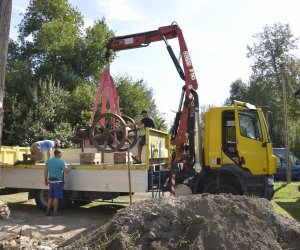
250	125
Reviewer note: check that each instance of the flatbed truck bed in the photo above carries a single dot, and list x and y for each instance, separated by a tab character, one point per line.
88	181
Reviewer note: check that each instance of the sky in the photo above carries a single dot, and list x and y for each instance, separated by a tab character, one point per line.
216	32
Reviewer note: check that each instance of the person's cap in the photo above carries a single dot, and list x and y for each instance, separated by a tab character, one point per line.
144	111
58	152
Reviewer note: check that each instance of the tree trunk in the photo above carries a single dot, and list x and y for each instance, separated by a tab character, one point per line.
5	14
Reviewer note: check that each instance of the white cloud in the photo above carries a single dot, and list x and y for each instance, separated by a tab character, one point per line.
120	10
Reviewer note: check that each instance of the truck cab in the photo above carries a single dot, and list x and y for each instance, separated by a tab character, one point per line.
238	153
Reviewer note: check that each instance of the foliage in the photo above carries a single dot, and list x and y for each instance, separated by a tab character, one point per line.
237	91
103	243
133	238
273	48
203	109
38	118
272	62
80	104
136	96
294	133
52	40
65	133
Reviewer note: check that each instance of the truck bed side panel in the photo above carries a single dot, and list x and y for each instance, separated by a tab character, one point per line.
104	180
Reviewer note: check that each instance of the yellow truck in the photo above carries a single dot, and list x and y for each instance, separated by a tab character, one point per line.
238	153
236	157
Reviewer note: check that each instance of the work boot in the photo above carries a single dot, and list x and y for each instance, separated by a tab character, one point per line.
25	157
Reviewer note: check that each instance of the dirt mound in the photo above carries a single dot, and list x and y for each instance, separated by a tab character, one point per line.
196	222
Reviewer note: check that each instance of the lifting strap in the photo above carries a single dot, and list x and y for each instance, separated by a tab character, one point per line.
108	92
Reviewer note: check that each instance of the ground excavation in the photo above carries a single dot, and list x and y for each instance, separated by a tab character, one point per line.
196	222
191	222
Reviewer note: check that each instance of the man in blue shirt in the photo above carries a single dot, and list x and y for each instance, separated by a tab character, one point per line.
38	148
54	177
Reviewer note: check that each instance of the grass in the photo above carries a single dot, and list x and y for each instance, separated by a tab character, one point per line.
103	243
286	200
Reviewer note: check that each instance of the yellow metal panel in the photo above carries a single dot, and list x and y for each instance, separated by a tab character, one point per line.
158	140
10	154
271	158
252	150
213	137
272	164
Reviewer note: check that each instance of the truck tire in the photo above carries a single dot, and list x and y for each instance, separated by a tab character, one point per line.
212	188
41	199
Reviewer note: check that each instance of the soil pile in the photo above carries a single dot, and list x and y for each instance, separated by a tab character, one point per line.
196	222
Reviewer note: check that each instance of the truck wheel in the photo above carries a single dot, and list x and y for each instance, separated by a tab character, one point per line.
41	199
213	188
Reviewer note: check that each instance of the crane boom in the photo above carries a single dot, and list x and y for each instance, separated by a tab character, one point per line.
187	115
140	40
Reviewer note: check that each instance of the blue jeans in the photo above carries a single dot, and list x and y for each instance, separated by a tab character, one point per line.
56	189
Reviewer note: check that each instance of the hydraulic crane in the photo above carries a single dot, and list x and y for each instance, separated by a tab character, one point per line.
184	133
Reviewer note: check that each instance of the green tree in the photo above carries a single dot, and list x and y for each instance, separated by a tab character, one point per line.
40	119
80	104
134	96
52	38
52	43
237	91
54	52
273	48
271	52
272	61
